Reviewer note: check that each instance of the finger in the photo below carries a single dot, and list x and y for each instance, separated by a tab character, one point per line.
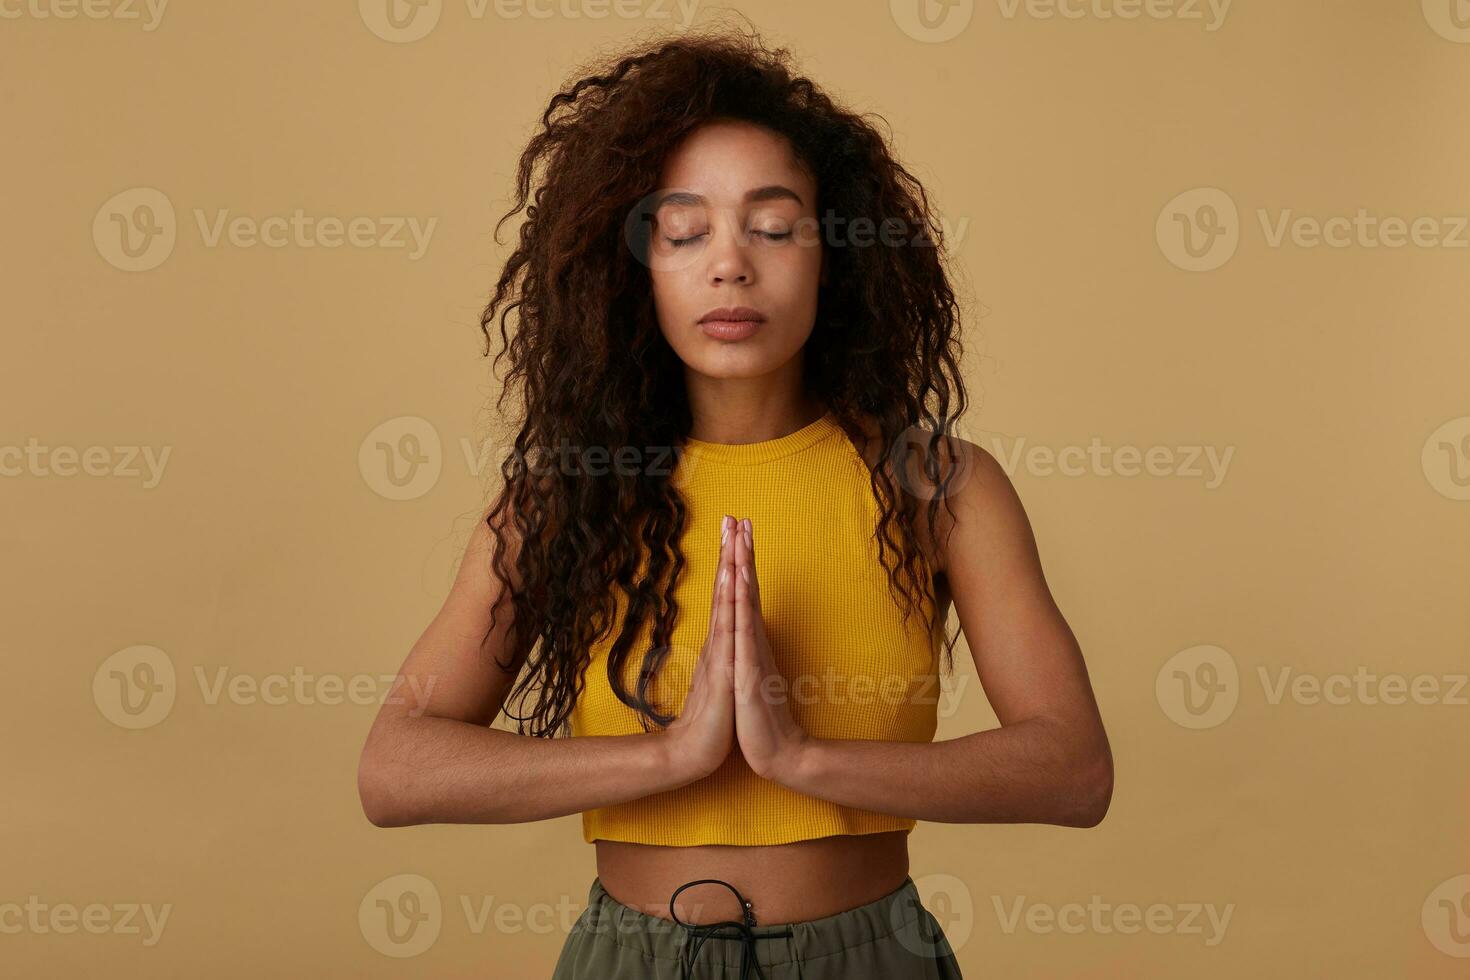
755	582
744	612
759	649
714	601
723	640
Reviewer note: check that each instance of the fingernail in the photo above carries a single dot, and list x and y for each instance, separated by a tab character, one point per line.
724	528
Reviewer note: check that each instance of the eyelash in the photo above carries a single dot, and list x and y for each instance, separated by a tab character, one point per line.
769	235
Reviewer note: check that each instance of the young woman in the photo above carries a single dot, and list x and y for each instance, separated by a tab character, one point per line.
719	556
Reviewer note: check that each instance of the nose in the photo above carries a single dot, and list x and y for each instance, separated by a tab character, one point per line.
727	256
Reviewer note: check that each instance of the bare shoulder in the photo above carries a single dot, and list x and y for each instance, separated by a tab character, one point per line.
973	488
495	535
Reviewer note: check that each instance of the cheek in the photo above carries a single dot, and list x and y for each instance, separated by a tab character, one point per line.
676	307
793	274
676	298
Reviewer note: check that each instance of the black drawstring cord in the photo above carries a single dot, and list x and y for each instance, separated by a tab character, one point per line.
699	933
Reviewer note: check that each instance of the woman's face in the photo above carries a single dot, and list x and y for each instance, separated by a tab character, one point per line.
735	225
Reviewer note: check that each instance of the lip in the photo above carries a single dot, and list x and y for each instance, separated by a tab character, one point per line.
731	322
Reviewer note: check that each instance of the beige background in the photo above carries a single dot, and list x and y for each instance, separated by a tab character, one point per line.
270	546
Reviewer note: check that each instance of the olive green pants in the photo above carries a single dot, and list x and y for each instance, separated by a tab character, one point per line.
892	938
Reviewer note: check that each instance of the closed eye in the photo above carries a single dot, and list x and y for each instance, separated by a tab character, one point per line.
774	236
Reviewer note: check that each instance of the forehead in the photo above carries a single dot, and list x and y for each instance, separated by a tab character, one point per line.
724	161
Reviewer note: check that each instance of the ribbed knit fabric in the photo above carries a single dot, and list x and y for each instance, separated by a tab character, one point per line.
856	670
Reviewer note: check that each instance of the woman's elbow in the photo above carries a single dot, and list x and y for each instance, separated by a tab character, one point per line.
1091	790
378	791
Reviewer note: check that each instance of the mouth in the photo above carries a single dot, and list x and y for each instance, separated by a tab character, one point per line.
731	323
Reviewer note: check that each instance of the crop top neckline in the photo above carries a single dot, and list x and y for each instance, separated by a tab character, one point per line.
746	453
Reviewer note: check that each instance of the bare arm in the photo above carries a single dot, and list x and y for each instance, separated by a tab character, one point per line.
1049	762
432	758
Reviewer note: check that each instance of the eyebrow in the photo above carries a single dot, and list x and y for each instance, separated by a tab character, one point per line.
771	192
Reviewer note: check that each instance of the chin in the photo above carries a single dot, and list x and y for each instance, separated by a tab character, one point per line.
720	359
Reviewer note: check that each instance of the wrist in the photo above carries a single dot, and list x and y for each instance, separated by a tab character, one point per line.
792	767
672	766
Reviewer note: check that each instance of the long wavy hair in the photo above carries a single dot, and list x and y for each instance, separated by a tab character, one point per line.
590	366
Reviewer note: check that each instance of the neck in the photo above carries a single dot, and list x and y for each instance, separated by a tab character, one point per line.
731	410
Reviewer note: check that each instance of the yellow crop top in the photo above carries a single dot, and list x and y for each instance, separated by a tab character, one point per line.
832	624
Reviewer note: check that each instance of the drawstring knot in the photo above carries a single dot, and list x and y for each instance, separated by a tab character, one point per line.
722	930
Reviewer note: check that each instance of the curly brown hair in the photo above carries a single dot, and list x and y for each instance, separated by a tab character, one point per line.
593	368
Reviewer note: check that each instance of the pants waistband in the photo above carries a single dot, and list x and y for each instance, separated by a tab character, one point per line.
767	944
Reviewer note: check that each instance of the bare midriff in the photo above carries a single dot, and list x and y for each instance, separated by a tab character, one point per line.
784	883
